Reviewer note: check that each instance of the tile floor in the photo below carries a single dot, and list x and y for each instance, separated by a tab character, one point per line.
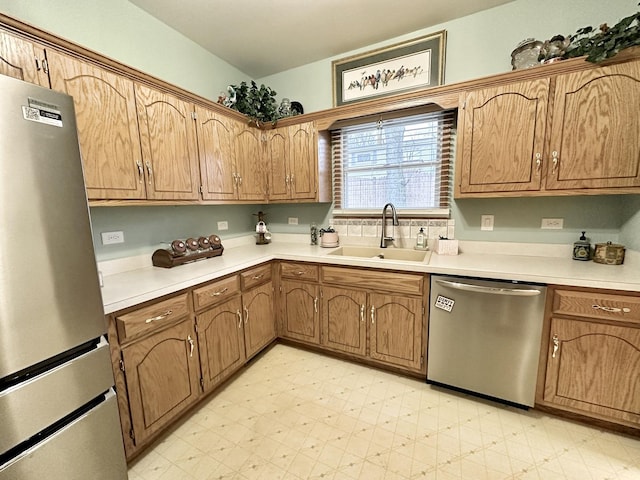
294	415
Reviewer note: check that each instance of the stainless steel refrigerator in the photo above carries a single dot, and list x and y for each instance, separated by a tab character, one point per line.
58	411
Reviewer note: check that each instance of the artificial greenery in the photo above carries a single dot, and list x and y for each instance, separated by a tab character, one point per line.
259	103
605	42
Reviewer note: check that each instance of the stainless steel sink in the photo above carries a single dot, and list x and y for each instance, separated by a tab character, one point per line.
394	254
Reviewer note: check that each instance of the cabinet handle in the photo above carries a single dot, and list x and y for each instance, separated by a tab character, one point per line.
373	314
162	316
246	315
556	345
293	179
239	318
190	340
235	179
315	304
149	171
555	160
611	309
286	181
300	273
258	277
240	180
218	293
140	171
362	313
538	161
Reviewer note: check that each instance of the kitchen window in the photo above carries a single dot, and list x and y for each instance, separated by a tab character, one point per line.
405	159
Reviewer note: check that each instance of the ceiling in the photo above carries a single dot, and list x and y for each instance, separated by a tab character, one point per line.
263	37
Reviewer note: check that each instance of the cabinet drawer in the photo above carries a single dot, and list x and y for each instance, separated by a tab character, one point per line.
374	280
138	322
299	271
597	305
255	276
215	292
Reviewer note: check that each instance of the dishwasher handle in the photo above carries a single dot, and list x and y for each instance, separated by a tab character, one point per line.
520	292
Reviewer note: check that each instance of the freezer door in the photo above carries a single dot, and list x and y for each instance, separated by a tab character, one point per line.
89	448
50	298
32	406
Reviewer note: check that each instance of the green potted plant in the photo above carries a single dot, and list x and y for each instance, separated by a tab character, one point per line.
605	42
258	103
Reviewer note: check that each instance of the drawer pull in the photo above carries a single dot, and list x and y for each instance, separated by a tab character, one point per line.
239	318
190	340
611	309
362	313
162	316
258	277
556	345
218	293
300	272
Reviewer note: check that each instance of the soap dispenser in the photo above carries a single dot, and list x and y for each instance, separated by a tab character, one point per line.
421	240
582	249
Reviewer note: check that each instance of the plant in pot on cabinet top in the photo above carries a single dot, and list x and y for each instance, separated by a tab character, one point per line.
258	103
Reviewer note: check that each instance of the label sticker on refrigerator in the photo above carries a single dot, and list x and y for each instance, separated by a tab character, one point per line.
42	112
444	303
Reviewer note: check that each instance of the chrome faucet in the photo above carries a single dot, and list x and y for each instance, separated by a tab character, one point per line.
384	238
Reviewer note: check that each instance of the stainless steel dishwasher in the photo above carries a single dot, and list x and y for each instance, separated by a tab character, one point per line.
484	336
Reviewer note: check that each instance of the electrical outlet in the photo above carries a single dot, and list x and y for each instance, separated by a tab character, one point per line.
293	220
486	223
109	238
224	225
552	223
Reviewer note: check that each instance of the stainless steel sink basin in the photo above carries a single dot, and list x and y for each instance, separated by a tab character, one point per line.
397	254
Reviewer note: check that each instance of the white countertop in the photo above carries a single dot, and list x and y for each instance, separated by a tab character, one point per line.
142	282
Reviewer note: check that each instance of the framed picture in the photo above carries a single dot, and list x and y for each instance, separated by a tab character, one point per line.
398	68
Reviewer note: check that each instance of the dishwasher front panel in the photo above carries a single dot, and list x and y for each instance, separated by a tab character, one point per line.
484	336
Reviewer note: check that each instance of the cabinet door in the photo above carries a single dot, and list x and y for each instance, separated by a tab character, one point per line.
594	368
107	127
303	161
22	59
250	170
162	375
395	330
259	322
221	341
344	320
596	129
502	140
300	318
216	147
169	145
277	159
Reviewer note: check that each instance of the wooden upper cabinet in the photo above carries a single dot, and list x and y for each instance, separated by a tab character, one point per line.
217	151
277	159
22	59
596	129
169	145
249	162
107	127
292	162
502	138
303	163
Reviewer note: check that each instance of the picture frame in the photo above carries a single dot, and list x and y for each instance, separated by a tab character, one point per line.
398	68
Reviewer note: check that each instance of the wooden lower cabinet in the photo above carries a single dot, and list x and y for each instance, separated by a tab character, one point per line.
162	378
594	368
592	361
299	308
221	341
259	325
344	320
396	330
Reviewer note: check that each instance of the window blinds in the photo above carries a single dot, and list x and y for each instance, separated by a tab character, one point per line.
405	160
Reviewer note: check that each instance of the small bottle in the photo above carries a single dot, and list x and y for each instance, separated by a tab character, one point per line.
314	233
421	239
582	248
